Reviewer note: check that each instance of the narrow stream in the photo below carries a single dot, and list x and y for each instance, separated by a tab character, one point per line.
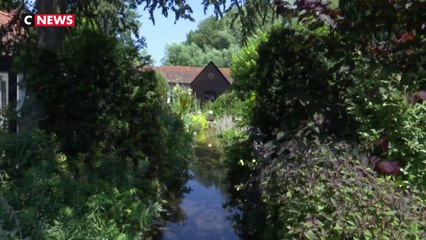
200	213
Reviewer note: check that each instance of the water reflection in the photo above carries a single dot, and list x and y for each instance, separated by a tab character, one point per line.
200	214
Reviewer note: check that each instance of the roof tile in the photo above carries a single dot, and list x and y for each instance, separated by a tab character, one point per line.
6	17
10	31
186	74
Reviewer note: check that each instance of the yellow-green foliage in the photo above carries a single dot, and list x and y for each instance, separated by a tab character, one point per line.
244	64
200	122
182	100
196	122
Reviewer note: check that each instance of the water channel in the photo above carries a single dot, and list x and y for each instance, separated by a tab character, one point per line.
200	213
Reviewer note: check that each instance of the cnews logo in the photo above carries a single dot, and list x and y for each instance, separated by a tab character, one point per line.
48	20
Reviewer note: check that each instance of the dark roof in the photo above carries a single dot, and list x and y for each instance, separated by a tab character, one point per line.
186	74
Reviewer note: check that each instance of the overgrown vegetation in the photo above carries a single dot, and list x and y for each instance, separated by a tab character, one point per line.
103	149
325	192
216	40
46	194
198	50
314	85
328	140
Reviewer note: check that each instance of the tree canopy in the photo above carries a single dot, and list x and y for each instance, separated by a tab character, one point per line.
214	40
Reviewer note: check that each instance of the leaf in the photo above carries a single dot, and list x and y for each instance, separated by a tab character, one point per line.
337	227
390	213
280	135
309	234
367	234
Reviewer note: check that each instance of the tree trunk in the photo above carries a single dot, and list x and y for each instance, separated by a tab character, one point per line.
47	38
50	37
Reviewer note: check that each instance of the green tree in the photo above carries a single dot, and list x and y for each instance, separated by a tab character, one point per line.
354	67
181	54
219	39
214	40
113	143
184	55
217	34
11	4
244	64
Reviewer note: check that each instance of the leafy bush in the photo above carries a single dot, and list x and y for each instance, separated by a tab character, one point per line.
183	101
239	156
382	102
198	122
331	75
326	193
178	151
107	147
226	104
18	157
87	86
95	99
231	112
185	104
297	82
46	195
244	65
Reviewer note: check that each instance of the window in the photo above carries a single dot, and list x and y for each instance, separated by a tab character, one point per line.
20	91
3	90
210	76
209	96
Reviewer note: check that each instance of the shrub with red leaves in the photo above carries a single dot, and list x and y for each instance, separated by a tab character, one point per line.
418	97
388	168
403	38
320	194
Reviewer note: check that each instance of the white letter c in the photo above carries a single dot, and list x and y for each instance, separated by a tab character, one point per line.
26	20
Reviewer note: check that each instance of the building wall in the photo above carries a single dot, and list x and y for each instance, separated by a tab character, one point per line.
10	91
209	81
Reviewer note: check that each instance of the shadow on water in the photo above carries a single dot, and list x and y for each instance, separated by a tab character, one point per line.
200	214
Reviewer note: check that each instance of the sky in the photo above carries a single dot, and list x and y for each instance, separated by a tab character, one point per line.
166	31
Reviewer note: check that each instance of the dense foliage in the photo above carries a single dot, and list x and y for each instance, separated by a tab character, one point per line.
326	193
89	96
105	146
349	71
47	195
297	82
244	64
227	104
96	159
217	40
178	54
391	114
214	40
